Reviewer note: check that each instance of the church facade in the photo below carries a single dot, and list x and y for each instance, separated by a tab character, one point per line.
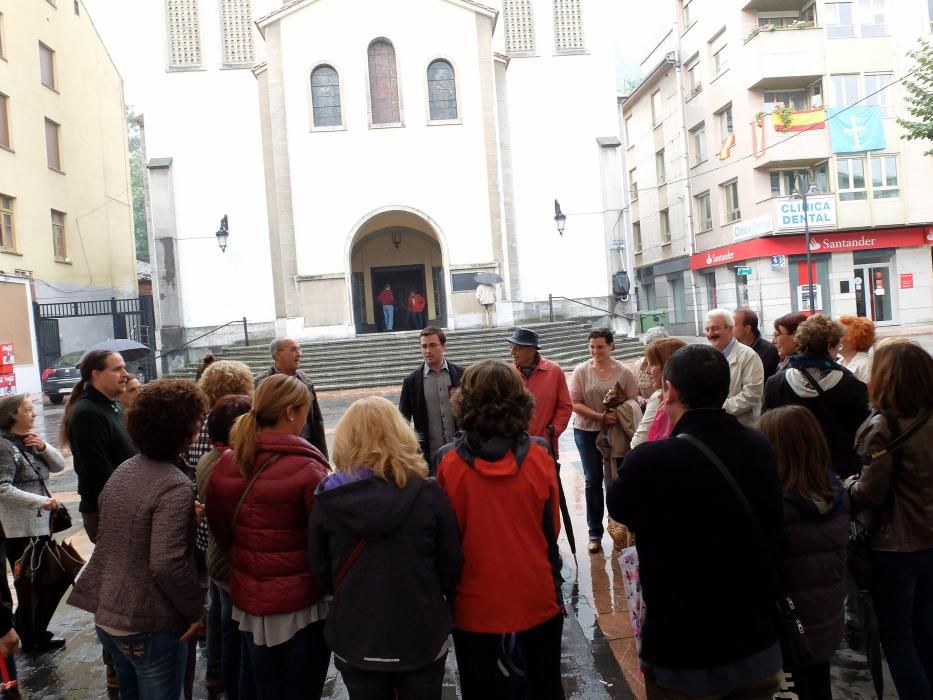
413	143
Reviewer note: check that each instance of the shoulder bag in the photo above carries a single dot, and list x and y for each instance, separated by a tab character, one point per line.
60	519
794	645
249	486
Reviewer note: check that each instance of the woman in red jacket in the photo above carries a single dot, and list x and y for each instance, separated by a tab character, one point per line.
258	501
502	485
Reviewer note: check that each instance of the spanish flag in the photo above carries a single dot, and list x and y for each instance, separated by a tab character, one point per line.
725	150
803	120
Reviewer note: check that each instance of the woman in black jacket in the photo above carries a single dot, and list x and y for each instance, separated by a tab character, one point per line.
816	530
383	538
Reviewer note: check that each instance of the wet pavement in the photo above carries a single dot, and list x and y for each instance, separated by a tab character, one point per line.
598	652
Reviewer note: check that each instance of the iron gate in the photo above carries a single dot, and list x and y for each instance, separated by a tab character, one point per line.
132	318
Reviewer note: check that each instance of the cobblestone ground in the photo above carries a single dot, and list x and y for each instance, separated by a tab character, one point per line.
598	659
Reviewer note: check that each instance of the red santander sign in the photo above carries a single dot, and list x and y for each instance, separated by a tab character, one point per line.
820	242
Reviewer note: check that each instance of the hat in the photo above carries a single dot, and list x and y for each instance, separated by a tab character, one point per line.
524	336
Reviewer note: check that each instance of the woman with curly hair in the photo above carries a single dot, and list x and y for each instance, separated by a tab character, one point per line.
502	485
815	380
219	378
258	502
857	341
897	484
142	583
389	622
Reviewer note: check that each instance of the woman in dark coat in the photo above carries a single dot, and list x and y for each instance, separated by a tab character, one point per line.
816	530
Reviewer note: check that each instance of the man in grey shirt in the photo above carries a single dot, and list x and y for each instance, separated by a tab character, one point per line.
426	392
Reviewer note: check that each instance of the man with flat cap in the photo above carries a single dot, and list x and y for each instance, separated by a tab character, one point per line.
546	382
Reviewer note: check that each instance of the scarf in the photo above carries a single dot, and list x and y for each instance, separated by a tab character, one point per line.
529	370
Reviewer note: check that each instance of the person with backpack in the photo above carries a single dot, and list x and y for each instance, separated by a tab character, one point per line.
384	541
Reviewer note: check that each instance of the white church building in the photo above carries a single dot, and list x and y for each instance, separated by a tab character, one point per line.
358	143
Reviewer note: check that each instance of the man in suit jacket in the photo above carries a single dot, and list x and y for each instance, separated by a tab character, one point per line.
747	333
746	373
426	393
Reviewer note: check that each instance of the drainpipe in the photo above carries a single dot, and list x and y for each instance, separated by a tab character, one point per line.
688	202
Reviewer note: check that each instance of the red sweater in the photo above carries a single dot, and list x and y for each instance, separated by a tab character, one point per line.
504	494
548	385
269	571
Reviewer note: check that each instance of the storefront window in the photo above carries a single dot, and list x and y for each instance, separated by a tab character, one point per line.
873	291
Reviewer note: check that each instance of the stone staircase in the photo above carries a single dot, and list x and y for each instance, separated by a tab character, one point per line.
384	359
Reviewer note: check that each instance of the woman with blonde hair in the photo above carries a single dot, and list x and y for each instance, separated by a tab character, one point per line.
384	540
896	482
219	378
816	532
857	341
259	499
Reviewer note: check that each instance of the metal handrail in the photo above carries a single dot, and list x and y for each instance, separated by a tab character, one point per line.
552	297
228	323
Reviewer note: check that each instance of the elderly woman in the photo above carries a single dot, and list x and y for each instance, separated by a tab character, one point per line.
502	485
814	379
390	619
784	329
897	484
25	501
142	583
655	425
859	337
218	378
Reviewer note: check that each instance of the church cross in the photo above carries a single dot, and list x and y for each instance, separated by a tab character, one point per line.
855	131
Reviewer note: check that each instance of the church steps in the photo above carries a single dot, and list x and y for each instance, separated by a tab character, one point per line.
385	359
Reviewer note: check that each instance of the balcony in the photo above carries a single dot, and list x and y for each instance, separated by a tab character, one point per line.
784	58
803	142
775	5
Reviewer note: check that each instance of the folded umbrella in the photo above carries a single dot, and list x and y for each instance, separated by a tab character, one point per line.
130	349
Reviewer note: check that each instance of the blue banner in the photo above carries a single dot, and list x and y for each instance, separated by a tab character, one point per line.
855	129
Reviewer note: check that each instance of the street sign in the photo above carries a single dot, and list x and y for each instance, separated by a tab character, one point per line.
617	244
778	261
745	270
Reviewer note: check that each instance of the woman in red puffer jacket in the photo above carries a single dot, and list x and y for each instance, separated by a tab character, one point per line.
258	501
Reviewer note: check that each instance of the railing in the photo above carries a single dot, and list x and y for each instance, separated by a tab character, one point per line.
552	297
204	335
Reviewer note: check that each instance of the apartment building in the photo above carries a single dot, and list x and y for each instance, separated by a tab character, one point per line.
755	100
65	202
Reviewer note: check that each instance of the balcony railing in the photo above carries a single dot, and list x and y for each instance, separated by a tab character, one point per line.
797	26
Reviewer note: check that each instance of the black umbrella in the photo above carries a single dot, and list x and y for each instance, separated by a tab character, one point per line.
130	349
486	278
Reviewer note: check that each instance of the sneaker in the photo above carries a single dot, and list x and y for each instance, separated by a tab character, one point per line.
594	547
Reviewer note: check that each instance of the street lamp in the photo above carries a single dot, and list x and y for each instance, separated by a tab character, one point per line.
806	234
559	218
223	233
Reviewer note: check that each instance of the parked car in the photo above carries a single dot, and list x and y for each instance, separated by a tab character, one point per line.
59	379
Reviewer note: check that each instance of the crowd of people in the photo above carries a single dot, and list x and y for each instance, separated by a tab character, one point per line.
739	467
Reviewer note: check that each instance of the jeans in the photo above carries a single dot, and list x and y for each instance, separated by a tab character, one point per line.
903	593
478	662
230	647
425	683
416	319
292	670
214	650
150	666
388	315
593	477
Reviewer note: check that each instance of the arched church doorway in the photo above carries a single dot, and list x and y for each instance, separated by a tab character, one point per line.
399	249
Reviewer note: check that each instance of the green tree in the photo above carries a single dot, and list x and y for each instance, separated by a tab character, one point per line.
919	100
137	175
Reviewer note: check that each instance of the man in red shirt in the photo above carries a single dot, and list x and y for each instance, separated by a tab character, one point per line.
387	300
416	304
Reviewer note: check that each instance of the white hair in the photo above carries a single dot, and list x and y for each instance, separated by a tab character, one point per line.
724	314
654	333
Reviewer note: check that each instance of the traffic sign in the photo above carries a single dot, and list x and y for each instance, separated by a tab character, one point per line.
745	270
778	261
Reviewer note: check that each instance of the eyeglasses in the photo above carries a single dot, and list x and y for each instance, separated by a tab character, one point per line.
430	346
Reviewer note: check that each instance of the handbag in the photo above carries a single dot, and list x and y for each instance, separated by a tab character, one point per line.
249	486
791	634
60	519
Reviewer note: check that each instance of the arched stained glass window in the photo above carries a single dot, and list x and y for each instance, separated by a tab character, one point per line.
325	96
383	83
442	90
